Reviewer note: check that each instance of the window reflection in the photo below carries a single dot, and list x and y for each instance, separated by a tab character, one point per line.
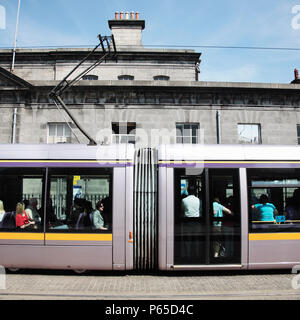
21	194
274	200
80	200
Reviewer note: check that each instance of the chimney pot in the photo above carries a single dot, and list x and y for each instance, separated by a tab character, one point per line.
131	15
121	15
126	15
117	15
137	16
296	73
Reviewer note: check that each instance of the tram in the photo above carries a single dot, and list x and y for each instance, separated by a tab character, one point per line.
143	195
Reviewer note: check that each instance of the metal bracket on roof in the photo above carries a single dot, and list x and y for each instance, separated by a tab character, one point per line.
109	52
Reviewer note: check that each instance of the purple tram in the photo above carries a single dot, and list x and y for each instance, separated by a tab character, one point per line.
233	229
177	207
60	187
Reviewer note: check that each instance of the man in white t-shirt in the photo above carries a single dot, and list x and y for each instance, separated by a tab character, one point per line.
191	205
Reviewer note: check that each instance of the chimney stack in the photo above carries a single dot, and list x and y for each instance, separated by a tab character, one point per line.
127	29
296	75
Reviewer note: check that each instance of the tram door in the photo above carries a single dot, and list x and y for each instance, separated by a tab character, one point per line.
207	217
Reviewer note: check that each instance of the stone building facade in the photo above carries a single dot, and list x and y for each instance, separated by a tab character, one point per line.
146	96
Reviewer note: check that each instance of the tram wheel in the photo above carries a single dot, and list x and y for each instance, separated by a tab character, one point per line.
79	271
13	269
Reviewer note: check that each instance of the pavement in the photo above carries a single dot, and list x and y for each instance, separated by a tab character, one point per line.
97	285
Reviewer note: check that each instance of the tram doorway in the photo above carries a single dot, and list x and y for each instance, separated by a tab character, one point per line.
207	220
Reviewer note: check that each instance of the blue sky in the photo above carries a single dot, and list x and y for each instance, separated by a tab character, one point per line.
259	23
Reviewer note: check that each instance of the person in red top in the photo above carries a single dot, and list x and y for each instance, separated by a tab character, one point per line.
22	220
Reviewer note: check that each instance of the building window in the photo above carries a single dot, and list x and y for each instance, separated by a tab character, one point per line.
59	133
298	133
126	77
123	132
187	132
90	77
249	133
161	77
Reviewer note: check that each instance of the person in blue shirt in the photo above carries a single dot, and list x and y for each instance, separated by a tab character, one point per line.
218	214
265	210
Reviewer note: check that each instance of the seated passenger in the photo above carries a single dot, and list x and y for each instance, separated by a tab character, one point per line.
22	220
191	205
293	209
2	211
32	211
265	210
76	210
98	221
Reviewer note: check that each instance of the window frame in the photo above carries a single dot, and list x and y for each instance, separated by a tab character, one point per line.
56	136
125	77
80	171
258	125
123	134
264	226
190	136
21	173
161	77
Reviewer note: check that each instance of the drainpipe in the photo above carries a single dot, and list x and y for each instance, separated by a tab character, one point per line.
14	125
218	115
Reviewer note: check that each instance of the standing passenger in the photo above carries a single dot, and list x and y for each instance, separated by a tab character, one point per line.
191	204
218	210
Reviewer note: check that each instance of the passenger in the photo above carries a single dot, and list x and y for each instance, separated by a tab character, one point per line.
51	219
98	221
293	209
32	210
191	211
106	213
2	211
265	210
191	205
76	210
87	210
218	213
22	220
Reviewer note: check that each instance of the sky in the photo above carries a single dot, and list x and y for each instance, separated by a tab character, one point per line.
189	24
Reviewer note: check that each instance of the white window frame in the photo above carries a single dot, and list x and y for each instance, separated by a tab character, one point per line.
124	137
190	135
251	127
56	138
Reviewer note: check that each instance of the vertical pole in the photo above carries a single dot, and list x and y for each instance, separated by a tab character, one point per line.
15	41
14	125
218	127
207	218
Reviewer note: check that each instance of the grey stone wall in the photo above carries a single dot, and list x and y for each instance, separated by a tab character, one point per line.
277	126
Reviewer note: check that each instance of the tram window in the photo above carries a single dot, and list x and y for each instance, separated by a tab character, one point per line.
206	216
21	195
274	200
189	239
79	200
